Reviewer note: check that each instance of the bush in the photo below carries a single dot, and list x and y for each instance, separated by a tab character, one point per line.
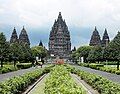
109	63
24	65
101	84
84	64
17	84
118	72
95	66
8	68
60	82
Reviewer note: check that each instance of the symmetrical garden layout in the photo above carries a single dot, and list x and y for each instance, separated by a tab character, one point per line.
60	79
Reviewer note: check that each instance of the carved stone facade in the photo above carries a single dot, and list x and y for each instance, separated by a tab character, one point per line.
105	39
59	39
95	38
23	37
14	37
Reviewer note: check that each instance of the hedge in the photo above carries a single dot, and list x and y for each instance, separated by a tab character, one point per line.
61	82
7	68
101	84
18	84
101	68
24	65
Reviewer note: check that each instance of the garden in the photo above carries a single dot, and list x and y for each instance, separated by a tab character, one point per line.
58	81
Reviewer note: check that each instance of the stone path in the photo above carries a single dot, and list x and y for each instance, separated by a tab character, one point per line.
84	85
6	76
113	77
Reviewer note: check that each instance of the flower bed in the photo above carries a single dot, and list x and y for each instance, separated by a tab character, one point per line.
60	82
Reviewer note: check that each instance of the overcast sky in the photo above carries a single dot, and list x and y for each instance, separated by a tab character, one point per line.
81	17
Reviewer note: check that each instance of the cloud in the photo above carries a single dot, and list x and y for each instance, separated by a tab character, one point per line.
79	14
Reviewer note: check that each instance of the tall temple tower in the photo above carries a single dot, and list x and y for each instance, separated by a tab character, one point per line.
105	39
59	39
14	37
23	37
95	38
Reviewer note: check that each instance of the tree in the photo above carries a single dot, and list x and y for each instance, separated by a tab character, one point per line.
4	48
74	56
112	51
96	54
39	51
83	51
15	52
25	53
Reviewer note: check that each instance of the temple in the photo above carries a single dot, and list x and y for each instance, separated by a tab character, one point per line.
14	37
95	38
59	39
105	39
23	37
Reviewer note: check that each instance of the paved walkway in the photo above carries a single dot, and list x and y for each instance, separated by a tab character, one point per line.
110	76
6	76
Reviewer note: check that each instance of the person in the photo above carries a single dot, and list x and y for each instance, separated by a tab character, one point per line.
36	63
41	64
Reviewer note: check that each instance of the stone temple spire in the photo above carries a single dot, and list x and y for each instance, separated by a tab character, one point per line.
59	39
95	38
59	16
14	37
105	39
41	44
23	37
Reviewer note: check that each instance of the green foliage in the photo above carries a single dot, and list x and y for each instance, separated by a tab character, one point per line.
84	64
8	68
96	54
101	84
4	48
24	65
95	66
112	52
117	72
39	51
60	82
101	67
26	53
84	51
17	84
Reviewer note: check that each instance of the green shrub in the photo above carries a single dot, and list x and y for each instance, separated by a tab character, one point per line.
96	66
118	72
84	64
24	65
101	84
17	84
60	82
8	68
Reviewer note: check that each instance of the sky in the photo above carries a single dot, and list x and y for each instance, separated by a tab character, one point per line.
38	16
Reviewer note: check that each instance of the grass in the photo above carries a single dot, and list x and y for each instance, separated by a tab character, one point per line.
39	88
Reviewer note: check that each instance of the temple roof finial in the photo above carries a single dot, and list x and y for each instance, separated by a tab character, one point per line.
95	28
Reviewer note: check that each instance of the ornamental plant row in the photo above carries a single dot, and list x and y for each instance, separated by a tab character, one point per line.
101	84
101	68
61	82
18	84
